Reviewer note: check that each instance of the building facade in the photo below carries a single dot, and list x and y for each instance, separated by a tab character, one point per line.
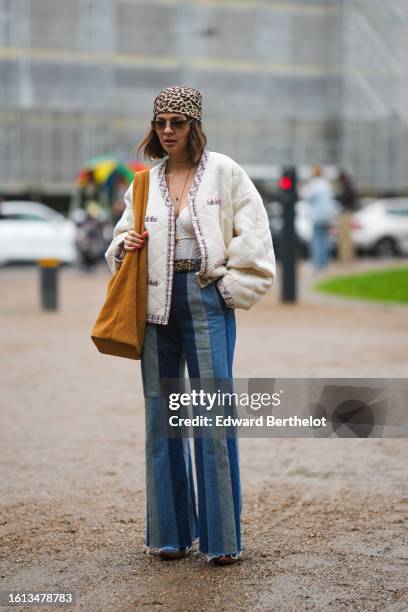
293	81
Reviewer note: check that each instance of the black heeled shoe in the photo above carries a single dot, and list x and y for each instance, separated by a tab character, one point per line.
172	554
226	560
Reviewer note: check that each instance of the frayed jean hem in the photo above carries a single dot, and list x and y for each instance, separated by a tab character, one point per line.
154	551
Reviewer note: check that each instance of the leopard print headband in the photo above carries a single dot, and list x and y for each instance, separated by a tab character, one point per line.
179	99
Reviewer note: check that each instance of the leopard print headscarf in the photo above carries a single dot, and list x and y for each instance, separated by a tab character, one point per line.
179	99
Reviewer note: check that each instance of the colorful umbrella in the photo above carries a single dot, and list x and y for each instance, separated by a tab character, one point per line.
103	167
136	165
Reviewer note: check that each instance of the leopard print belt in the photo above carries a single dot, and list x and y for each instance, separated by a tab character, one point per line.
186	265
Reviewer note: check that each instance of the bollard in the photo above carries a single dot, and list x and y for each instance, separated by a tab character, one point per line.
49	283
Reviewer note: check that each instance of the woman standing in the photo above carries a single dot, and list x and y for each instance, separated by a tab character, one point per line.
319	195
209	251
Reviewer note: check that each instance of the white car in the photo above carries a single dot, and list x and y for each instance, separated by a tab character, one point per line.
30	231
381	227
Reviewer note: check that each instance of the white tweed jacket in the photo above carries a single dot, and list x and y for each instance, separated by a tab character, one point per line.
231	227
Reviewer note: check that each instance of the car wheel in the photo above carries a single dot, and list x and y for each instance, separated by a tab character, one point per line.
386	247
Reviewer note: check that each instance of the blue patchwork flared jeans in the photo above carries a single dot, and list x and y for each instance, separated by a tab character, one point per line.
201	333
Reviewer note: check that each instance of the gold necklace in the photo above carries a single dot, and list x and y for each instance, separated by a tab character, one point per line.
182	193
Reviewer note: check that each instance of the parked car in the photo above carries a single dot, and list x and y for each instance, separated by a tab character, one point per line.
381	227
30	231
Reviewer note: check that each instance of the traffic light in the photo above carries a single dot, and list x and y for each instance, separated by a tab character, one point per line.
288	182
288	197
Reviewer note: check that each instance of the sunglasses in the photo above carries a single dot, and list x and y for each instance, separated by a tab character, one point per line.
159	125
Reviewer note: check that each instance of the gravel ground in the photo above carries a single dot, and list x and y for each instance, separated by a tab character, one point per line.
324	519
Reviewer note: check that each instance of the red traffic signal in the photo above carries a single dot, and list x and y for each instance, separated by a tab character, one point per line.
288	180
285	183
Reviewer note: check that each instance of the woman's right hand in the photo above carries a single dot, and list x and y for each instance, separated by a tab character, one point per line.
134	241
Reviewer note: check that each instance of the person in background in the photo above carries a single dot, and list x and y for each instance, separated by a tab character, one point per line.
118	206
89	238
89	191
346	195
319	195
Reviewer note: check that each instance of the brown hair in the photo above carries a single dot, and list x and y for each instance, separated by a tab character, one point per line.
151	148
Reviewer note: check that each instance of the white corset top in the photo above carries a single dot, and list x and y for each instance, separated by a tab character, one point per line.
186	242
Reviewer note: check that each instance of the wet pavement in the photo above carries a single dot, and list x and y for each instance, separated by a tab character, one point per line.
324	520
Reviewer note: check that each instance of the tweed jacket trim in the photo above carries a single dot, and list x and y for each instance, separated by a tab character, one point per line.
225	293
161	177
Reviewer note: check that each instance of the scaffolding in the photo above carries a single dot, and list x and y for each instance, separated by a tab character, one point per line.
295	82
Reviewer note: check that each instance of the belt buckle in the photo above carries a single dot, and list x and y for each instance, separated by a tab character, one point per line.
186	265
